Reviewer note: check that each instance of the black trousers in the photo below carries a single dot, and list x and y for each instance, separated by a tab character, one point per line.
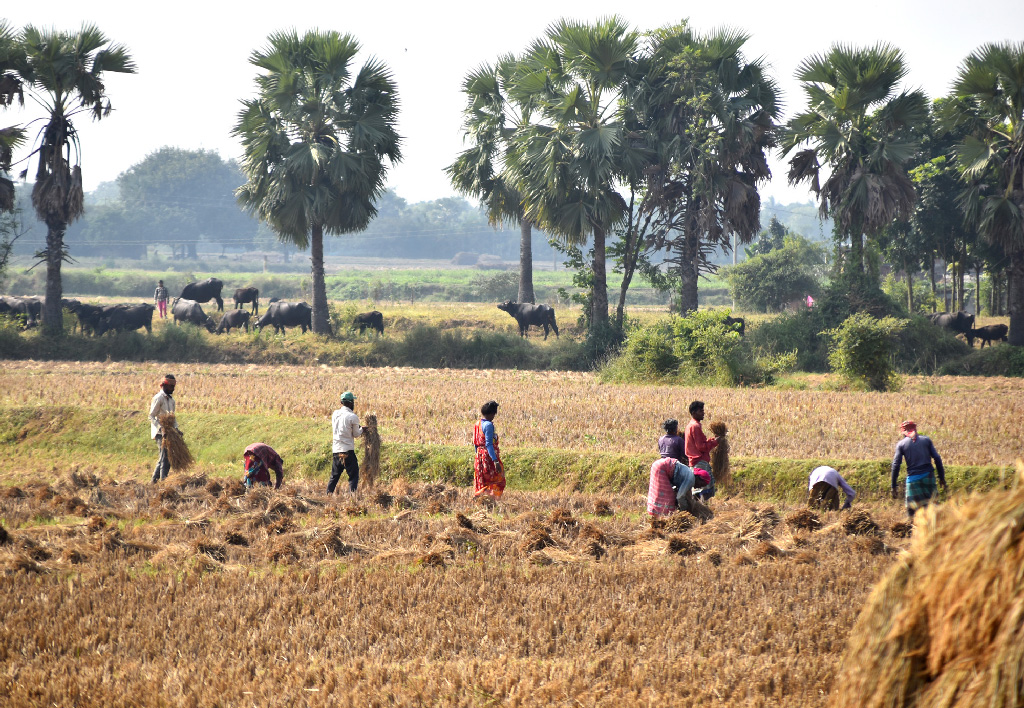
344	461
163	465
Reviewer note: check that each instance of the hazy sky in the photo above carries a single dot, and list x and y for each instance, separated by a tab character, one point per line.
193	65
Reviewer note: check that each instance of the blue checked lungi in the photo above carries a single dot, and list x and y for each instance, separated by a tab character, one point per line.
920	490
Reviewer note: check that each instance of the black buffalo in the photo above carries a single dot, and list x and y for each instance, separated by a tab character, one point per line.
192	312
527	314
204	291
286	314
956	322
372	319
125	318
244	295
988	334
736	324
26	309
233	318
88	315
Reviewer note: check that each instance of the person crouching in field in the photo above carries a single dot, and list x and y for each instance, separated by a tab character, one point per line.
919	452
488	470
671	444
823	489
345	429
259	459
670	487
162	403
698	452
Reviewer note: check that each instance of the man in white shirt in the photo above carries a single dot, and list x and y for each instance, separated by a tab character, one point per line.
345	428
162	403
824	486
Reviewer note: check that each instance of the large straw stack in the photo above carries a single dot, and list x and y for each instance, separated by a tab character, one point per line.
178	454
371	452
945	627
720	455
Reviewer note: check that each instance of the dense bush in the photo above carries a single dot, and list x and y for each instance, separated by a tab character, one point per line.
767	282
999	360
863	348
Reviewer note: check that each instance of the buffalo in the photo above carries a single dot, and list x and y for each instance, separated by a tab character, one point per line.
736	324
88	315
26	309
192	312
282	314
988	334
527	314
372	319
233	318
204	291
244	295
125	318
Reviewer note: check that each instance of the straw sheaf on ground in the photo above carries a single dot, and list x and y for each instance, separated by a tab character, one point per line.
544	599
946	625
557	410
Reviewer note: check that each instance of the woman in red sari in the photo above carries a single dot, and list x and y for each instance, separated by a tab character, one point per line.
488	472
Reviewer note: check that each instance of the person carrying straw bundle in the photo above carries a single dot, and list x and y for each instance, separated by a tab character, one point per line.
488	470
698	452
918	451
161	409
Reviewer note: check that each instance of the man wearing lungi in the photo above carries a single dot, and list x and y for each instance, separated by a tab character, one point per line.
919	452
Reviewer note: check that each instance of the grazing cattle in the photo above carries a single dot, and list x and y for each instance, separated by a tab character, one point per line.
286	314
26	309
737	324
233	318
989	333
956	322
204	291
88	315
191	312
526	314
244	295
372	319
125	318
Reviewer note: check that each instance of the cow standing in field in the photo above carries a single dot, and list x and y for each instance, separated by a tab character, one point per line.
204	291
956	322
27	309
126	318
233	318
736	324
989	333
244	295
192	312
281	315
373	319
527	314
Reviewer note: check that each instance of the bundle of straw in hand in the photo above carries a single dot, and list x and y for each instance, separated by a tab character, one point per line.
371	452
177	451
720	455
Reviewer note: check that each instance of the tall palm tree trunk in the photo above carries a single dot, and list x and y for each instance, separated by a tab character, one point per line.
321	319
856	261
688	273
526	261
1015	295
53	311
599	312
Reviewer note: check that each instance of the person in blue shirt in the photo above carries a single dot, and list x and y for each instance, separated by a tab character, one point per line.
918	451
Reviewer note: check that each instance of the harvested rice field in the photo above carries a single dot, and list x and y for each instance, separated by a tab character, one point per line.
194	593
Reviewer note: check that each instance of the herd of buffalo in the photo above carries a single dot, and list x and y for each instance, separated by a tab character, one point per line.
187	307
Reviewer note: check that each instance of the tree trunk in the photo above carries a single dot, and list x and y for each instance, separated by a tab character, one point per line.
688	274
856	260
1015	295
321	318
960	270
526	261
931	278
599	304
977	291
53	311
910	292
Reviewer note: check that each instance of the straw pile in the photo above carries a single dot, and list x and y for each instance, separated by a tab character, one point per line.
720	455
178	454
946	625
370	468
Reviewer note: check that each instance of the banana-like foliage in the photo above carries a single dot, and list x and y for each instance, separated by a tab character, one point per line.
318	140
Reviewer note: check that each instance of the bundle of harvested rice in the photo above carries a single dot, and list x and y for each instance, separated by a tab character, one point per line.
713	557
755	527
870	544
767	549
594	549
234	489
195	481
901	529
96	523
805	557
73	556
20	563
591	532
236	539
370	467
720	468
682	546
214	487
463	521
563	518
700	510
603	508
945	625
860	522
207	546
677	523
804	519
537	538
282	551
12	493
178	454
743	558
383	499
355	510
404	515
436	506
554	556
4	536
432	559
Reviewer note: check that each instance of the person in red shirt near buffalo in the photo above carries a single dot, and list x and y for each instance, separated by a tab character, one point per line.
698	452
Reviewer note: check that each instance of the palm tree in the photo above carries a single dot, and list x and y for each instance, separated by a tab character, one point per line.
566	161
318	141
64	73
12	58
490	120
990	89
708	115
857	127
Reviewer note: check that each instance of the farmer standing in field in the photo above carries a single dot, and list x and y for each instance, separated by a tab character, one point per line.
823	489
160	295
345	428
919	452
488	470
671	444
162	403
698	452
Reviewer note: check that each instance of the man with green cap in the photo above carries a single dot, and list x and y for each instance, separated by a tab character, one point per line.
346	428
